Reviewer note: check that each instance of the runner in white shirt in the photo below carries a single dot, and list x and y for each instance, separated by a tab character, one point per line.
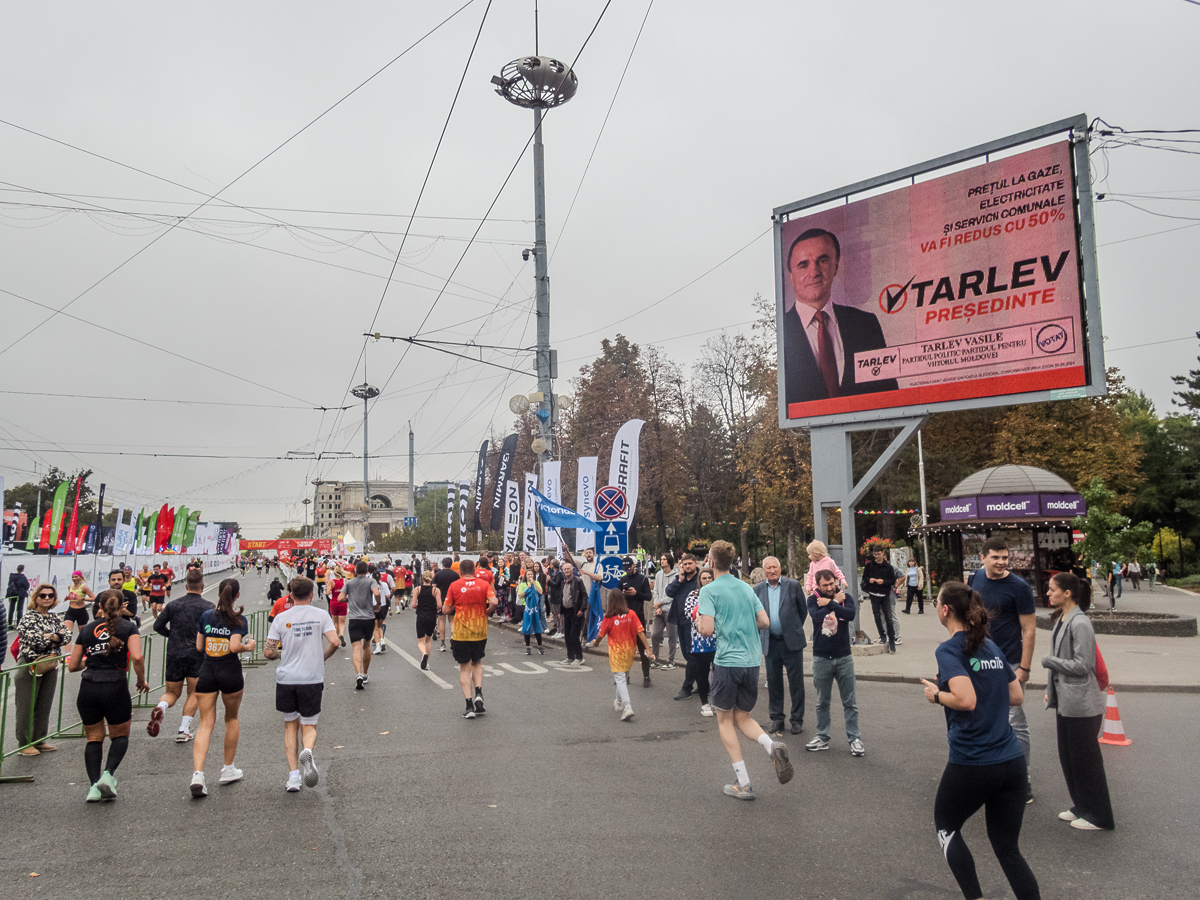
303	637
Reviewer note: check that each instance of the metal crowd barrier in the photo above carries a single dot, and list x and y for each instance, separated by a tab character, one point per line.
155	666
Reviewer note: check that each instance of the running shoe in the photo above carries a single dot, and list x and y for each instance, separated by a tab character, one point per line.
627	713
541	650
656	665
366	680
738	792
358	682
857	748
183	737
308	767
783	766
107	785
479	710
683	694
293	783
199	788
94	795
424	660
528	652
230	774
382	646
670	665
342	638
817	743
706	709
469	713
899	642
155	723
618	705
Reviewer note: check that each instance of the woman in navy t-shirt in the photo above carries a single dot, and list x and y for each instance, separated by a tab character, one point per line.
976	686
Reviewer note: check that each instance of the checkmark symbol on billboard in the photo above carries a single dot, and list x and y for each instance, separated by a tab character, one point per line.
893	297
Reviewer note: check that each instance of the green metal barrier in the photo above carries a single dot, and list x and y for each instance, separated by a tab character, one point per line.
155	662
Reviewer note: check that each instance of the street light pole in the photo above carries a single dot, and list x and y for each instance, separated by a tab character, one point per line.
306	501
538	83
366	392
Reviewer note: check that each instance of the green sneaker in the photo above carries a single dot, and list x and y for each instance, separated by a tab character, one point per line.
108	786
94	795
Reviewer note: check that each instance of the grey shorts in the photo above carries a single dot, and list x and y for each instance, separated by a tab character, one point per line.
734	687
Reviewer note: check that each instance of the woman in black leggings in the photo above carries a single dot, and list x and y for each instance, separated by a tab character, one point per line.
104	650
976	686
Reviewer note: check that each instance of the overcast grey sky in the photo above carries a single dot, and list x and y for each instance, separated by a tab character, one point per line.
726	111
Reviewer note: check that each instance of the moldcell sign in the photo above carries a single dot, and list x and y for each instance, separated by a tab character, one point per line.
1013	506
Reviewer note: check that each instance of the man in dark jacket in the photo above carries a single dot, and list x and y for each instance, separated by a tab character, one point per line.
678	590
554	592
879	579
832	614
17	593
783	643
574	611
636	588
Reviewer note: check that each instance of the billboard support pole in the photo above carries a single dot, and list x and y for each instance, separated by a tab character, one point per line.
834	486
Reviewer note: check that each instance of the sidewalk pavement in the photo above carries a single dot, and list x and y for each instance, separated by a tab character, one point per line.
1135	663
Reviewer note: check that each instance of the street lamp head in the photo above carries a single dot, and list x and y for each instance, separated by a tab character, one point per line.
536	82
365	391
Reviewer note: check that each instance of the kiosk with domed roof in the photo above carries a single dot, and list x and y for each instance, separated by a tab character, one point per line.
1030	507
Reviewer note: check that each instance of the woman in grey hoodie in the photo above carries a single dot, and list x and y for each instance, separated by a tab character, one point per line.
1074	693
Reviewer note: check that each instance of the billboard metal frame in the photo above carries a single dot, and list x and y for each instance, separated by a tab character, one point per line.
1077	129
834	485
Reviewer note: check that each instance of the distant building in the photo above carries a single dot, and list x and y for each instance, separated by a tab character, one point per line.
338	509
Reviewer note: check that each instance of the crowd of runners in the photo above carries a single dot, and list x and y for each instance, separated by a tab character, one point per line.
724	627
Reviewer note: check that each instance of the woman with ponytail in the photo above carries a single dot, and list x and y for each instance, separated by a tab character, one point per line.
976	685
221	636
1075	696
104	650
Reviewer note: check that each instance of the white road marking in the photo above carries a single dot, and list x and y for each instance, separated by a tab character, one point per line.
537	670
440	682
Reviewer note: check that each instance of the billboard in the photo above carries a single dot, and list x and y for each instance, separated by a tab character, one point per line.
965	289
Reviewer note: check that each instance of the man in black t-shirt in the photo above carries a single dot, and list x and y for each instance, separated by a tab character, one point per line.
442	579
116	578
178	623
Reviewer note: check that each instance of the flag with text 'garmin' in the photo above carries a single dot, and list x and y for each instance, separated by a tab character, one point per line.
503	472
623	464
555	515
480	474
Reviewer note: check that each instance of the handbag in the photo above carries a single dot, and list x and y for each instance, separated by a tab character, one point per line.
1101	670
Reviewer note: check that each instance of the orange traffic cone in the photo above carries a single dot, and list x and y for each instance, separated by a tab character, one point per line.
1114	732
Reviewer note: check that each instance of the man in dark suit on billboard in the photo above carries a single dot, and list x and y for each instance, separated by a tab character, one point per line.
820	338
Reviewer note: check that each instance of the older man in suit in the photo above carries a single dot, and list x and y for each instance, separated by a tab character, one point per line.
820	338
783	643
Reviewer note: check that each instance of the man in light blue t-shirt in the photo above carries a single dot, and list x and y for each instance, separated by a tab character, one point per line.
730	610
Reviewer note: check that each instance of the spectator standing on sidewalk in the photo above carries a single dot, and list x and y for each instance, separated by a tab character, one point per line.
574	611
17	593
1012	625
832	612
915	582
878	581
678	590
662	606
783	643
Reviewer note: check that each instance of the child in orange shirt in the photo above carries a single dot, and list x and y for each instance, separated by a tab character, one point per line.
624	631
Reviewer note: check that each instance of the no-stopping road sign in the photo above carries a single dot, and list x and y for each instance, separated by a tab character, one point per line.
610	503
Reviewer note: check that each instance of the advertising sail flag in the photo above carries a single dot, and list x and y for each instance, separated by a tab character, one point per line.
503	470
464	495
96	541
222	541
480	472
148	547
57	508
44	539
552	490
585	495
178	524
555	515
954	288
450	517
31	541
73	525
512	514
189	530
530	531
623	464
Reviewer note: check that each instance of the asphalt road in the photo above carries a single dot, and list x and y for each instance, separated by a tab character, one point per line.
549	796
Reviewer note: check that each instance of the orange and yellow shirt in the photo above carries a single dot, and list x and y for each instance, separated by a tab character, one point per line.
468	598
622	634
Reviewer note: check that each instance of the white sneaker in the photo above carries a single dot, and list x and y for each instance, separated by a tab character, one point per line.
706	709
1067	816
627	713
309	768
199	788
293	783
618	705
1085	825
230	774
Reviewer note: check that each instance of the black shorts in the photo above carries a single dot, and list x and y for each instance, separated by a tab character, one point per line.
360	629
299	698
467	651
225	678
179	668
426	626
77	615
104	701
381	616
734	687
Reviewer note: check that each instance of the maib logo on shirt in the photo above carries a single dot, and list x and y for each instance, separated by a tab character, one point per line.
977	664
